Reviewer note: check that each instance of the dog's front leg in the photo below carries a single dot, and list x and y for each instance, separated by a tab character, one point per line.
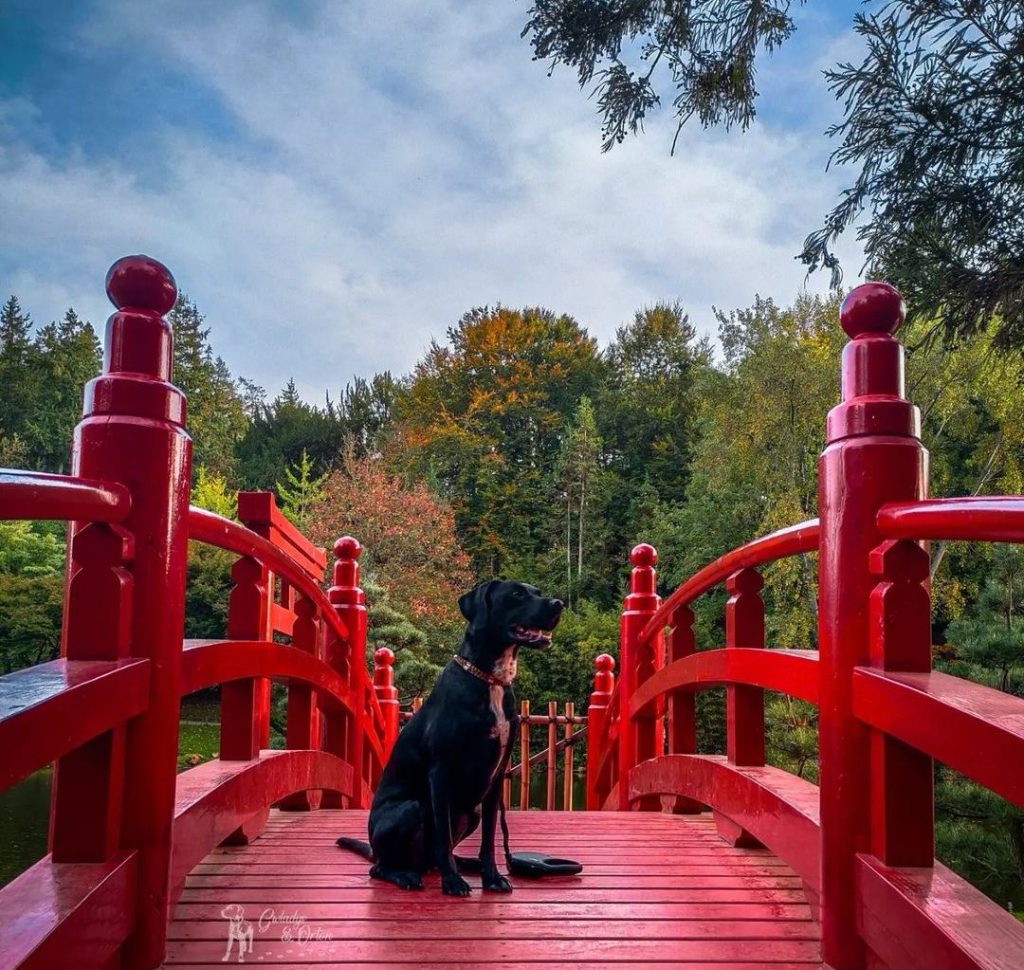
452	884
493	881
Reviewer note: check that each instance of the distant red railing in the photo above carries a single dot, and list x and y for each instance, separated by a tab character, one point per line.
864	841
125	828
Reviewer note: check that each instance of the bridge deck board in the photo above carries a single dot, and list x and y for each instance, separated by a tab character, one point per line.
656	890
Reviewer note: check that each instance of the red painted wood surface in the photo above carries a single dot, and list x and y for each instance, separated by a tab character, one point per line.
214	798
86	698
694	902
974	729
790	541
980	518
597	710
777	808
793	672
36	495
67	914
133	434
922	918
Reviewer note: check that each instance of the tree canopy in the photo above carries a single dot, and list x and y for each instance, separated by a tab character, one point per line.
932	122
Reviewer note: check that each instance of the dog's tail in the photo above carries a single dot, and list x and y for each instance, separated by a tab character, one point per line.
357	846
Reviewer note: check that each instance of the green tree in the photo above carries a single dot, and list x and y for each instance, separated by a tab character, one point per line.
66	356
209	569
301	490
18	388
483	420
216	418
931	122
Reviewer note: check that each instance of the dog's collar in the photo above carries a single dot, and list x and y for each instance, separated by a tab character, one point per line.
473	669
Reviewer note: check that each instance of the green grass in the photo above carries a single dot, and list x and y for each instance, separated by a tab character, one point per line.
197	743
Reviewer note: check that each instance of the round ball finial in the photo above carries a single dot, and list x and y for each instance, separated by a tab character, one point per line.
347	548
142	283
872	308
643	555
604	663
384	657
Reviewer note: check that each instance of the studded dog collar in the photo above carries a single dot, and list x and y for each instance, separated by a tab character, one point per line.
477	672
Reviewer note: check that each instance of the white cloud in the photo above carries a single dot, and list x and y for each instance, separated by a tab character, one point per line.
396	170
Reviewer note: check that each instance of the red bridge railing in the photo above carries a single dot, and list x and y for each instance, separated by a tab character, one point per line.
863	841
125	828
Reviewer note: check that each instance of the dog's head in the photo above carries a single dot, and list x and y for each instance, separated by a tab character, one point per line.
500	614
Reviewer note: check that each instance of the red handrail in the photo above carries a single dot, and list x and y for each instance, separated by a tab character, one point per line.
980	518
35	495
791	541
215	530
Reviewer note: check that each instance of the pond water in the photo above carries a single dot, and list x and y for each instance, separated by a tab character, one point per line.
24	823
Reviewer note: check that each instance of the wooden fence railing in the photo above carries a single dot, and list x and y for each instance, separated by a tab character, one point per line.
573	728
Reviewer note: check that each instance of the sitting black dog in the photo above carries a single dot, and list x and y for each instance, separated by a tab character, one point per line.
446	770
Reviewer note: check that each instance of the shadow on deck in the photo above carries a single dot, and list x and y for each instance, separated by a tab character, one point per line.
656	889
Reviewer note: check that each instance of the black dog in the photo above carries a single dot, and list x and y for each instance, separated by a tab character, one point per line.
446	770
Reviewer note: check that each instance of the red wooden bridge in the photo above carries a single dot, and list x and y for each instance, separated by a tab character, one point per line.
690	860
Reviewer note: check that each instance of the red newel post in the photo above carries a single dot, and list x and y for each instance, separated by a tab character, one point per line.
387	694
597	712
639	739
133	432
873	455
349	659
744	627
902	778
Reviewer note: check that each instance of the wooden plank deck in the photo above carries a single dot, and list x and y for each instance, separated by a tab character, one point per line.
656	889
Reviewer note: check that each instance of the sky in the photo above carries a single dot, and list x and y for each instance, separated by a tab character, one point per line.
335	184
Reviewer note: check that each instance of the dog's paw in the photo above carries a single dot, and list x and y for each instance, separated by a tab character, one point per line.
454	885
496	883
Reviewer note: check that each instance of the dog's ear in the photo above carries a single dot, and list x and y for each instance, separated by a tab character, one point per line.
475	604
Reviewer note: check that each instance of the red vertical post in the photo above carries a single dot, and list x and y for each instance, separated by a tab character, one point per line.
387	695
639	739
133	432
744	627
682	704
302	731
902	778
85	815
873	455
597	712
349	659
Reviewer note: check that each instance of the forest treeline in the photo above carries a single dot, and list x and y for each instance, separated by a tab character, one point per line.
519	447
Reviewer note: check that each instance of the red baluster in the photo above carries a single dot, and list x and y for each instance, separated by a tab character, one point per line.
902	778
639	739
873	456
85	816
597	712
744	627
133	433
303	727
387	694
349	659
682	708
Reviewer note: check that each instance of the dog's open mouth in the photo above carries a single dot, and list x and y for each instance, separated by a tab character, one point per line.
531	636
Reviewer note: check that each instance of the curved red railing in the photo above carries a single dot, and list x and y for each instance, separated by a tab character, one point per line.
863	842
125	827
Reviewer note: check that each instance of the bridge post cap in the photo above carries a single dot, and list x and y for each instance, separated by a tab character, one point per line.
347	548
604	663
384	657
643	555
872	308
142	283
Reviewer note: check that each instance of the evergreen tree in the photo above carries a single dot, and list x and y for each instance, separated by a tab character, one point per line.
216	419
18	387
301	489
66	356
